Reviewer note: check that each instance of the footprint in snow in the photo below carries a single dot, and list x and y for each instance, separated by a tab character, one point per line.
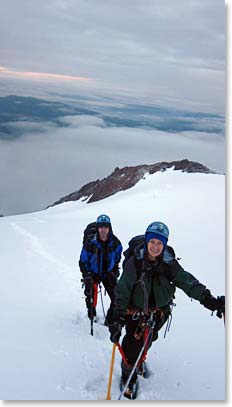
187	363
39	249
87	362
93	384
79	318
63	387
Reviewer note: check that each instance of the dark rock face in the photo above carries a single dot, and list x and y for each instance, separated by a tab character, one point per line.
125	178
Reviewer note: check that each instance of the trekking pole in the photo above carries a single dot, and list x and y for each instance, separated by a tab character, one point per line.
91	308
111	372
138	358
102	302
93	302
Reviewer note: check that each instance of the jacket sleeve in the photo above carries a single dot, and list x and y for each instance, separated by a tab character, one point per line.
125	285
185	281
118	253
84	260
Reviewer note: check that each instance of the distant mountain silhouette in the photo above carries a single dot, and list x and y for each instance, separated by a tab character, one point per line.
25	109
127	177
18	110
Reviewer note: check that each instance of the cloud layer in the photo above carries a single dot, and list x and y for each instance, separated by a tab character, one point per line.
41	169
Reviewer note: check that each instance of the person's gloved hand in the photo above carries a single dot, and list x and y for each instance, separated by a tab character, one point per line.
116	326
115	332
212	303
86	276
97	278
116	272
220	306
209	301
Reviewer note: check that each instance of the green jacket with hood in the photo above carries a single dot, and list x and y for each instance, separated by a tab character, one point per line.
142	278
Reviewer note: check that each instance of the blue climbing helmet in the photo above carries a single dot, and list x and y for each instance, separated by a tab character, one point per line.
157	230
103	220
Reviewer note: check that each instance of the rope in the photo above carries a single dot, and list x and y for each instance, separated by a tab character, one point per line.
148	338
123	355
145	293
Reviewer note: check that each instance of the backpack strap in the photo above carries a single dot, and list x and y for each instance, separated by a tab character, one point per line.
138	263
167	257
116	241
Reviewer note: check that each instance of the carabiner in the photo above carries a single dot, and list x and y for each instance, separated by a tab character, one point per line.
136	315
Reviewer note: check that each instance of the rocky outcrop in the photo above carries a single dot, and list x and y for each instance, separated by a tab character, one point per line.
125	178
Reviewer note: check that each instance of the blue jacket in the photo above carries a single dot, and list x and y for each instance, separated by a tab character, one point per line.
92	256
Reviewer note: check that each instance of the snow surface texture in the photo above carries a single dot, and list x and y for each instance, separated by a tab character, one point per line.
47	352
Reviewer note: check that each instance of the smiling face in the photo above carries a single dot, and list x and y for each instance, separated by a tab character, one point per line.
155	248
103	233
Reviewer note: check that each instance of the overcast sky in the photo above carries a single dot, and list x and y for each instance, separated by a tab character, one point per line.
171	49
167	52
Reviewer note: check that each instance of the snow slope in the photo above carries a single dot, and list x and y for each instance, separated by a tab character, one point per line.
47	352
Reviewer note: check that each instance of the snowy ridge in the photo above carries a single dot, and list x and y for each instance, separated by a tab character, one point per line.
47	352
124	178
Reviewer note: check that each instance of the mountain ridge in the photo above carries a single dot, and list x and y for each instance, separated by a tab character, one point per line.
124	178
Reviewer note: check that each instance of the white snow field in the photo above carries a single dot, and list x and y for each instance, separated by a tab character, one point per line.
47	352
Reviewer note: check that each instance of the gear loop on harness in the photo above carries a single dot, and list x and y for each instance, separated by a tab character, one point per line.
145	319
137	315
169	320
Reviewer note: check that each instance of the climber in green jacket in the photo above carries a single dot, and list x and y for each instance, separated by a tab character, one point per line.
146	288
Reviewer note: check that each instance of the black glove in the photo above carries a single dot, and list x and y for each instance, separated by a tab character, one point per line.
115	332
212	303
221	306
97	278
117	272
86	276
116	326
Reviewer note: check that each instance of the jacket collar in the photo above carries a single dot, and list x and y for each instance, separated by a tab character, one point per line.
98	242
